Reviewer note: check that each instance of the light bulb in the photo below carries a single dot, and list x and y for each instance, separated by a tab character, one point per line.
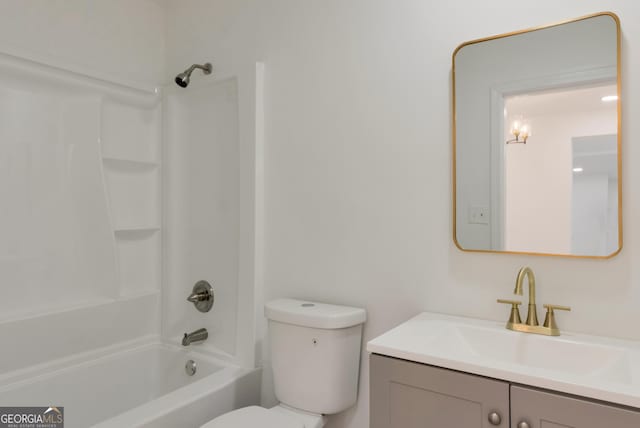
515	128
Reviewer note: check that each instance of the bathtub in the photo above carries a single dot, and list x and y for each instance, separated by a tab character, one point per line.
144	385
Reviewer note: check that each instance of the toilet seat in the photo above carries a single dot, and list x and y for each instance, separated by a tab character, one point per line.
254	416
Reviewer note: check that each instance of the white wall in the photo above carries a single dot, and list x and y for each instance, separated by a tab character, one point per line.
358	157
117	39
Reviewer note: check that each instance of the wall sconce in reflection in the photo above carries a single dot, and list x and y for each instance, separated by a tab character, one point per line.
520	131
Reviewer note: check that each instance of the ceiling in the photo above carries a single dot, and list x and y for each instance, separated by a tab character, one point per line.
561	101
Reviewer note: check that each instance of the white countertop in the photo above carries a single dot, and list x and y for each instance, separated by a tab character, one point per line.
589	366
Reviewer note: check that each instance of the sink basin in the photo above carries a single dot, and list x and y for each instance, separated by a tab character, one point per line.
552	353
602	368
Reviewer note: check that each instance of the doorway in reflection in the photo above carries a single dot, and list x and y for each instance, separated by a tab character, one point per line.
594	195
560	190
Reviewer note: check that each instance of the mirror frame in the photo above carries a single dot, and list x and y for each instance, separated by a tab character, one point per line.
619	145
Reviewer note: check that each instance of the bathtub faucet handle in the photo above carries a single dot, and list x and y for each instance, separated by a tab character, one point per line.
197	297
202	296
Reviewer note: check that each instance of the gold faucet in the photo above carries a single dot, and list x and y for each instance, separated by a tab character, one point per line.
549	328
532	314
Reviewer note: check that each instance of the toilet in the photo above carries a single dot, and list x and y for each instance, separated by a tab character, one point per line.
315	356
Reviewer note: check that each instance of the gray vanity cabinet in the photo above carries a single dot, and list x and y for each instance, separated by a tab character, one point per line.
413	395
404	394
542	409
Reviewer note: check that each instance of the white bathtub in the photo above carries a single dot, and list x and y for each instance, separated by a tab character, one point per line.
138	386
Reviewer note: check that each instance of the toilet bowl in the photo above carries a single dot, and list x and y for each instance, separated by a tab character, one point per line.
280	416
315	358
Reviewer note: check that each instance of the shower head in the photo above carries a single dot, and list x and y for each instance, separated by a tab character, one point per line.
183	78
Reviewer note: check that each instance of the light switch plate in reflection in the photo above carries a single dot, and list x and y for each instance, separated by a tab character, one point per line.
478	215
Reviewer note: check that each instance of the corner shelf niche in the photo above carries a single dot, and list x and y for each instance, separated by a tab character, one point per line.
130	140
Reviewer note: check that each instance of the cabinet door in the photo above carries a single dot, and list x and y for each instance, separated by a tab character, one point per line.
542	409
411	395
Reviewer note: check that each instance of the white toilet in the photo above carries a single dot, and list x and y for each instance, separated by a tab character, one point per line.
315	355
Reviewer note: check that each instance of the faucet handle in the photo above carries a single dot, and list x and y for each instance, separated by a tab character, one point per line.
510	302
550	319
550	308
514	318
202	296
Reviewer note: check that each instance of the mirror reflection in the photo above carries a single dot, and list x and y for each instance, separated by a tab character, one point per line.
536	141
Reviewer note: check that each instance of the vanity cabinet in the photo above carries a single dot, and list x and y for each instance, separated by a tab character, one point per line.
405	394
543	409
412	395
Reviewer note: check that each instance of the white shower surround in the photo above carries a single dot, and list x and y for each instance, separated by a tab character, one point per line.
103	210
219	239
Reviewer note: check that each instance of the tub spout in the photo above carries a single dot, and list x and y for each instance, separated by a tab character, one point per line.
199	335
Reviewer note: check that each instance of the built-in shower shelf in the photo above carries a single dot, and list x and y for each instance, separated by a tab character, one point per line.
132	230
129	163
130	138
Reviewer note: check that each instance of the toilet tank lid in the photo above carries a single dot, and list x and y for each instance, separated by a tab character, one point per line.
312	314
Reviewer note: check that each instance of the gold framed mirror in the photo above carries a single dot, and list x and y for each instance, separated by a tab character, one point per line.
537	140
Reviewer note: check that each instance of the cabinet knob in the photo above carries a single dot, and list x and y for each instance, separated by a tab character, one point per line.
495	419
523	424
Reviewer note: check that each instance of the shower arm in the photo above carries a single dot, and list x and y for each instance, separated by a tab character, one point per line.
206	68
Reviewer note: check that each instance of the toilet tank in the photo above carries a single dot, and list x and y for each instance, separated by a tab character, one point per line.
315	354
